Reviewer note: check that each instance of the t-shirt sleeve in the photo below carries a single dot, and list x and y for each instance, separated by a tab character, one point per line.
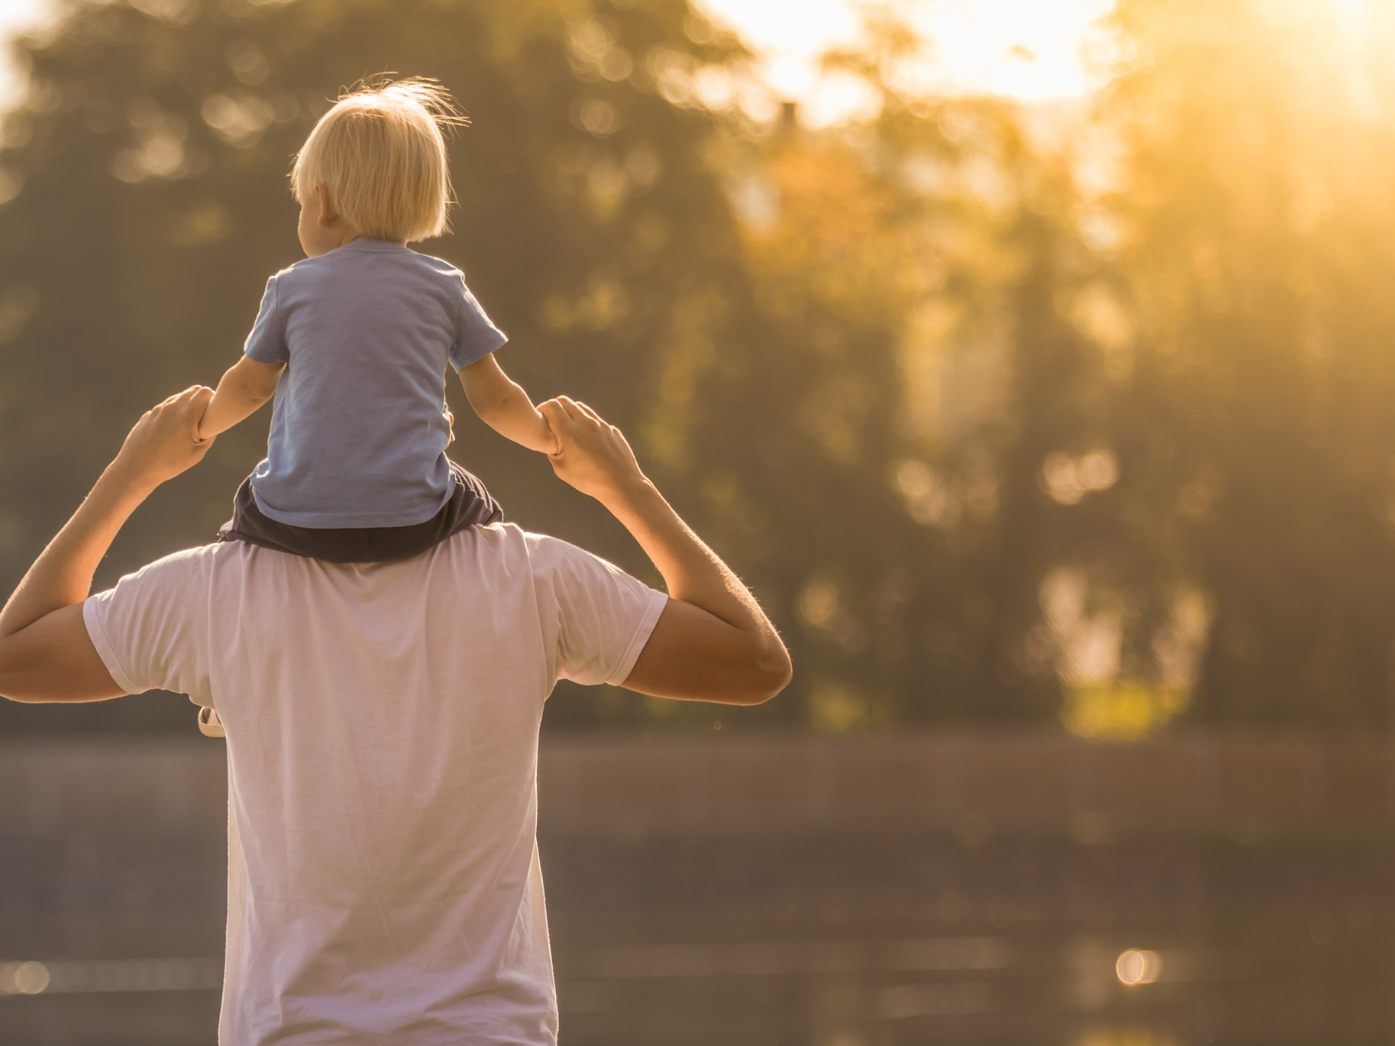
150	630
602	615
475	334
267	341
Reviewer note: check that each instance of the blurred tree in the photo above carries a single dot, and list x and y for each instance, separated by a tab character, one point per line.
1255	428
145	176
994	405
906	271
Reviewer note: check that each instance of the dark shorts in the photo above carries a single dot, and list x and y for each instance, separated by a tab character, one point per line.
470	504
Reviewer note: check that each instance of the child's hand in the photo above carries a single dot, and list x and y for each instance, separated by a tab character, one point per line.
549	436
595	457
450	420
200	436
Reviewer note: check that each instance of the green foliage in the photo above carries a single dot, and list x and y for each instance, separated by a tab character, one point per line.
987	430
151	154
1256	418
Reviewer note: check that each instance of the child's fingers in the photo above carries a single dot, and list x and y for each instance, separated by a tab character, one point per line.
558	421
552	411
580	409
188	405
579	413
192	393
551	432
557	409
586	410
567	418
192	400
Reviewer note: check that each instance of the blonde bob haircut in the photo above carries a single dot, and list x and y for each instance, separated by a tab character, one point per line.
381	154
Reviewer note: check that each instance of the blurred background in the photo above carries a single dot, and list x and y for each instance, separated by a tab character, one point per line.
1032	361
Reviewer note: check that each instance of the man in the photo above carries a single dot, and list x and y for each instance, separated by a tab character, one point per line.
382	723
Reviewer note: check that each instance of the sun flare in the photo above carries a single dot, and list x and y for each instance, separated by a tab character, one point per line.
1018	48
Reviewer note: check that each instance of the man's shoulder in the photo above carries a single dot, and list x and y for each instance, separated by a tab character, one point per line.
195	558
504	543
494	541
549	555
205	559
504	539
174	576
523	549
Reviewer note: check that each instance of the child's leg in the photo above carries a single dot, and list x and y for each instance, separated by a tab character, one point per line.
477	506
250	525
469	504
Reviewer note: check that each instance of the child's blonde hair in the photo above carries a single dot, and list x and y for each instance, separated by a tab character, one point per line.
381	154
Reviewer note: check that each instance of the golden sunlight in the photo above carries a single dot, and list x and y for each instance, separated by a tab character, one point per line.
15	16
1020	48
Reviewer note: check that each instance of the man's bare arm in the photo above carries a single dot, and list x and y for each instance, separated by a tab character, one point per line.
45	651
712	642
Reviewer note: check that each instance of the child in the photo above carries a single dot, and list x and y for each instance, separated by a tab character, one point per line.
353	342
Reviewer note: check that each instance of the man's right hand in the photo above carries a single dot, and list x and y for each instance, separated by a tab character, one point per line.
593	455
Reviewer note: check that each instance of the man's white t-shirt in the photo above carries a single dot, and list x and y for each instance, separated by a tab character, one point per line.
382	728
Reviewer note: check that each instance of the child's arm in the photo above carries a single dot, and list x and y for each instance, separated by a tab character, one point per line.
245	386
502	404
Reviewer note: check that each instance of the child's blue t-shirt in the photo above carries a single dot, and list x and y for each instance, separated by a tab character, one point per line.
358	424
